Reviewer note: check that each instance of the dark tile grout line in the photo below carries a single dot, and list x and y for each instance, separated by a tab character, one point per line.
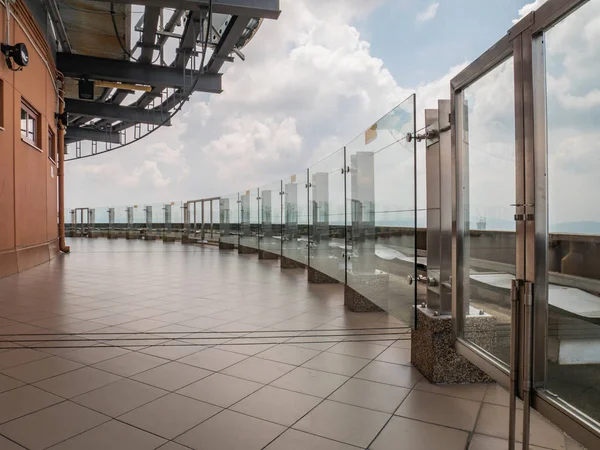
139	406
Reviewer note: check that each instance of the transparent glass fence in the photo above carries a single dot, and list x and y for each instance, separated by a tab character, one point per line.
270	218
573	80
490	246
328	215
249	217
381	212
296	218
229	219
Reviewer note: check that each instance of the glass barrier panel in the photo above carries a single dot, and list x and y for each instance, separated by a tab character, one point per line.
229	220
573	106
489	192
269	238
328	216
250	226
295	221
380	213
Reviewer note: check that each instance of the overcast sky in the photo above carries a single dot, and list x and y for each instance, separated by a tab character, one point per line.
327	70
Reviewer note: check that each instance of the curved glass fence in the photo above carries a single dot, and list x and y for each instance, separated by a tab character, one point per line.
350	217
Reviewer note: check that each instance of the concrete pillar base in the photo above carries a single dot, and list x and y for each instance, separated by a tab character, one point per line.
314	276
287	263
243	250
357	302
169	239
263	254
226	246
433	353
131	235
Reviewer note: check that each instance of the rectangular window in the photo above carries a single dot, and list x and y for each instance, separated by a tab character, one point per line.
51	145
29	124
1	103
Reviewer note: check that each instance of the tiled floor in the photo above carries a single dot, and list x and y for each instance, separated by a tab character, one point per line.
194	349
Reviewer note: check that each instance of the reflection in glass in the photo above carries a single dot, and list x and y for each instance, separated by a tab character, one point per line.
573	81
229	222
489	192
249	216
327	215
381	212
270	218
295	230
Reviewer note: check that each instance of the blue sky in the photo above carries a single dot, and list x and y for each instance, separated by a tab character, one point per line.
419	51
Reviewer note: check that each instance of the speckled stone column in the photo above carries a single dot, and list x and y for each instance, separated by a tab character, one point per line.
226	246
314	276
263	254
287	263
357	302
243	250
433	353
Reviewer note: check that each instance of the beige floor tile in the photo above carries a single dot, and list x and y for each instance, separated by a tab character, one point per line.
172	351
440	409
493	421
173	446
246	349
311	382
172	376
405	434
12	358
473	392
402	343
130	364
288	354
298	440
221	390
229	430
395	374
24	400
52	425
8	383
259	370
276	405
5	444
213	359
335	363
395	355
358	349
344	423
93	355
112	434
77	382
41	369
497	395
171	415
371	395
119	397
481	442
572	444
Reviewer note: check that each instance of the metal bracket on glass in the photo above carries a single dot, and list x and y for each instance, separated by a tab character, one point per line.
519	217
345	170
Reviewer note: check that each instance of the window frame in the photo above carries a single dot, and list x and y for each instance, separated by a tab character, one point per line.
52	150
34	116
1	104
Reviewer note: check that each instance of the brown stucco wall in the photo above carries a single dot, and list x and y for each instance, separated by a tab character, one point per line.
28	177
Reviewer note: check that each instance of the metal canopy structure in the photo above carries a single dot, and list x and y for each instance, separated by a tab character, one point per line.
130	65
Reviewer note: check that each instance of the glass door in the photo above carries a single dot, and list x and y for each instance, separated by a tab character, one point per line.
488	192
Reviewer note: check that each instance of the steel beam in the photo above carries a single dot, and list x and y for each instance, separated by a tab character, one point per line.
151	15
227	42
268	9
90	134
80	66
114	112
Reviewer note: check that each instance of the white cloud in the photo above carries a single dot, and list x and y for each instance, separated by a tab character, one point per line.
429	13
529	7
